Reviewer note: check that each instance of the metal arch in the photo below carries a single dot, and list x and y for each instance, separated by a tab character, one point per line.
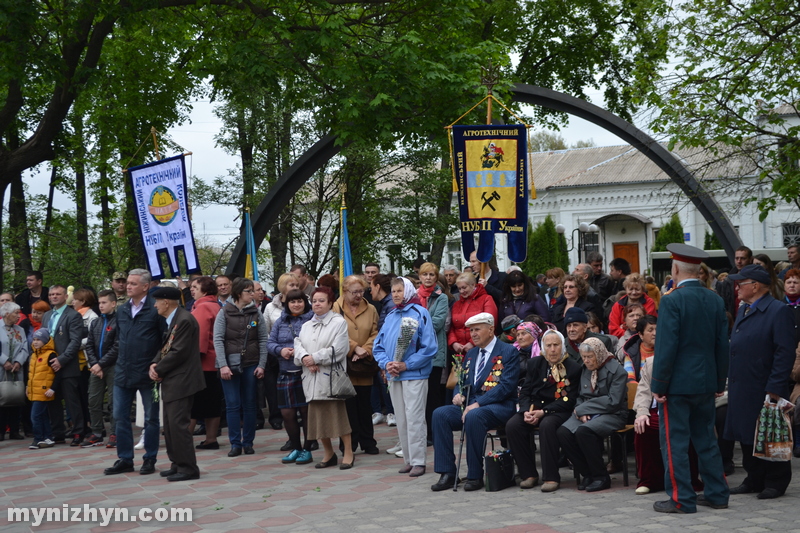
703	201
315	158
281	194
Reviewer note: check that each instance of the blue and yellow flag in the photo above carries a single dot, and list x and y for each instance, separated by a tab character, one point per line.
491	173
345	260
251	263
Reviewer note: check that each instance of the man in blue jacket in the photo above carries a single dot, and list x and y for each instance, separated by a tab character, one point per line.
139	330
689	369
489	391
762	355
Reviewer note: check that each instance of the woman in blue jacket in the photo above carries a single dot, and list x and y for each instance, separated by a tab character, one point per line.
296	312
405	348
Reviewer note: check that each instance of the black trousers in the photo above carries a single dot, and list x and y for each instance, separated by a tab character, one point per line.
359	413
436	396
584	448
271	393
70	392
763	474
523	447
726	447
180	445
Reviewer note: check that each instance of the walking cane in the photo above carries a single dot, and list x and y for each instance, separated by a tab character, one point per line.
465	391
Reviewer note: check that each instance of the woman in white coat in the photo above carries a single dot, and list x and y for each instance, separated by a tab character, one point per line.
322	343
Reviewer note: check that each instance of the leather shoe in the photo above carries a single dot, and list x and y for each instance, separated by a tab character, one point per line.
208	445
405	470
769	494
182	477
613	468
148	467
744	488
248	450
667	506
372	451
584	482
167	473
235	452
314	446
473	484
277	426
347	466
550	486
333	461
701	500
529	483
119	467
599	484
287	447
446	481
417	471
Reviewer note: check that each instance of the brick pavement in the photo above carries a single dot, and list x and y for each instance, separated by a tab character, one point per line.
258	493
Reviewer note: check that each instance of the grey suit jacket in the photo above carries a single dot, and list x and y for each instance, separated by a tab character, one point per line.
67	337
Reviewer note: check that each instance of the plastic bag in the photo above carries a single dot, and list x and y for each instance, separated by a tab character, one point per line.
773	438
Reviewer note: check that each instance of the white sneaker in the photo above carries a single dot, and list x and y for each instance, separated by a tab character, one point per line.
140	444
46	443
391	420
377	418
394	449
398	453
642	490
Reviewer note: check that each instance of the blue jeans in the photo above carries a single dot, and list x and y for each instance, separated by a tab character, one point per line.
240	400
40	419
123	401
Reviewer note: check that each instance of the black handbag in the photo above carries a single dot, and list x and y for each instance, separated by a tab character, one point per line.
498	467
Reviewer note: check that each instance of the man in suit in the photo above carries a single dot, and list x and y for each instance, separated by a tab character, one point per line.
690	369
576	324
66	327
178	369
762	356
488	401
139	331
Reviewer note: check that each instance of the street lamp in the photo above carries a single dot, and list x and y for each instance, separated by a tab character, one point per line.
582	228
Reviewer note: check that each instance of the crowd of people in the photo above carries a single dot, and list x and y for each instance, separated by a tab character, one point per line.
568	358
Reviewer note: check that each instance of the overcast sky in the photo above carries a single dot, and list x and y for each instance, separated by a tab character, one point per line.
216	224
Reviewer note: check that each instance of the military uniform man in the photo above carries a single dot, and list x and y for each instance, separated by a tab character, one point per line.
691	368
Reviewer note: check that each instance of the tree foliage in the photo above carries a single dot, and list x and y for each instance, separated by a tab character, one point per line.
734	93
711	242
544	249
670	232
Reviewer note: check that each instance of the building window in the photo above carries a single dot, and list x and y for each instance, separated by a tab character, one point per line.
453	254
791	234
591	242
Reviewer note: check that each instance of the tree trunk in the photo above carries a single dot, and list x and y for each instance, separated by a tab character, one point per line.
18	222
3	187
106	252
444	195
44	252
79	162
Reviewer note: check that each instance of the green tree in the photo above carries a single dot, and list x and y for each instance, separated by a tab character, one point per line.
711	242
670	232
733	94
544	249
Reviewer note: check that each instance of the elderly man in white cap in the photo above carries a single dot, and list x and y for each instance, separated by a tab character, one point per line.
484	400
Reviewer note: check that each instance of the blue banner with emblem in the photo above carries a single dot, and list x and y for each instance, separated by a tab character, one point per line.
491	172
161	211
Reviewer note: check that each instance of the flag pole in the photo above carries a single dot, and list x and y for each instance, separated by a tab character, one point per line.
490	75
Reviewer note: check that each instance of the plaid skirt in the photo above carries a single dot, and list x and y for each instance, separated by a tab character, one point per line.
290	390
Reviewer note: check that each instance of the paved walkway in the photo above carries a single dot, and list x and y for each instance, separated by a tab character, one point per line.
258	493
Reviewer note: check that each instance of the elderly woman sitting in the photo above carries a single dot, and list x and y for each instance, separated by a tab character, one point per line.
601	408
545	402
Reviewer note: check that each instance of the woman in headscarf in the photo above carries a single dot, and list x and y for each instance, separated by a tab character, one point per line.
601	409
528	336
546	400
405	348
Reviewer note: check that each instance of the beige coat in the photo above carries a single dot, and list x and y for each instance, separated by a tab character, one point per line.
361	329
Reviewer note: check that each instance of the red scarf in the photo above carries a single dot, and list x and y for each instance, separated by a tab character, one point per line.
424	292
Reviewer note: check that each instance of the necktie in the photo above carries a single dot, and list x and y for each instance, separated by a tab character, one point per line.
52	321
746	309
481	364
